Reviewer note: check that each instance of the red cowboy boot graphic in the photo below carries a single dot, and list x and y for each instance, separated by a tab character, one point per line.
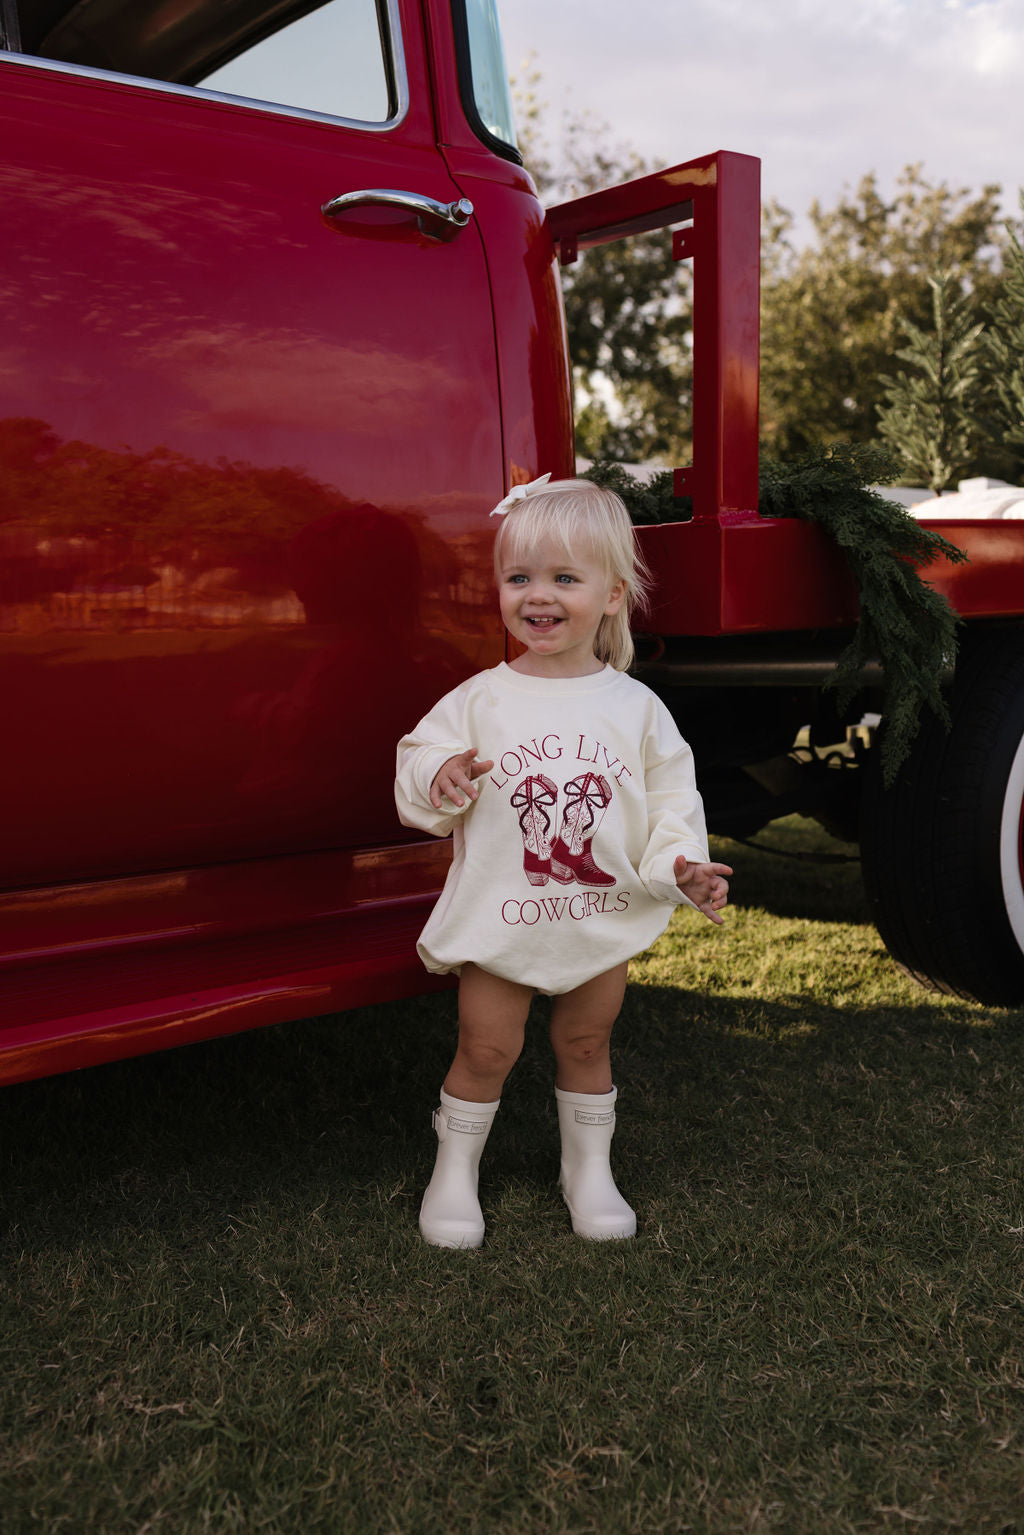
531	801
586	800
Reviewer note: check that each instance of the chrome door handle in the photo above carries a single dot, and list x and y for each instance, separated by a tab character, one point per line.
438	220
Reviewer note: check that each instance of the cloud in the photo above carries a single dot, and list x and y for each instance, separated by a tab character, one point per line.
821	91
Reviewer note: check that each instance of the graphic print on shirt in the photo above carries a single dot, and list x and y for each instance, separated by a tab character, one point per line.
565	857
531	801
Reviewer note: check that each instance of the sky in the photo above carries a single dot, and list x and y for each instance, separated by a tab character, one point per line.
822	91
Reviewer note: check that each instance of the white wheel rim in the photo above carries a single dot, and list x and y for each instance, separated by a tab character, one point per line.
1011	847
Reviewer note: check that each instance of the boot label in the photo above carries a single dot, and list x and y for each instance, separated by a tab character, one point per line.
467	1126
594	1116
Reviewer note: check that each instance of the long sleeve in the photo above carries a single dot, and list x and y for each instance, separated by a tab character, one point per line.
675	813
438	736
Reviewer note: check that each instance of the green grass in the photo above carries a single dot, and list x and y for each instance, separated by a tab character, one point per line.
217	1314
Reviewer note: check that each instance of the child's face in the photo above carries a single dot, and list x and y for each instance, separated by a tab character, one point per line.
554	607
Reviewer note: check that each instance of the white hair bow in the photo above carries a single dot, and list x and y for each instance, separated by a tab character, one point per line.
519	493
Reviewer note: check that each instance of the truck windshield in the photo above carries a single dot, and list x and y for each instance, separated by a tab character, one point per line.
491	94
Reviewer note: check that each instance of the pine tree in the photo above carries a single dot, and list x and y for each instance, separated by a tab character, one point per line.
1004	349
832	302
930	418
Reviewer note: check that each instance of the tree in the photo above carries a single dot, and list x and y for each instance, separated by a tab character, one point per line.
1004	352
832	311
628	304
930	415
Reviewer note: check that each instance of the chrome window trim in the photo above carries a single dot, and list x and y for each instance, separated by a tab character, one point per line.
167	87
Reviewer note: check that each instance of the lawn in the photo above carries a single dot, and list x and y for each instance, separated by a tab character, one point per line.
218	1316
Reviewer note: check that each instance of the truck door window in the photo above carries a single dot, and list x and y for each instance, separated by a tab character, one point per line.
333	58
484	77
331	61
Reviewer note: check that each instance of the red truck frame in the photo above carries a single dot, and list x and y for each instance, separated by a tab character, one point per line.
252	417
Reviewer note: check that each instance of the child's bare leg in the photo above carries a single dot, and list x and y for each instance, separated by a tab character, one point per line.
581	1031
492	1025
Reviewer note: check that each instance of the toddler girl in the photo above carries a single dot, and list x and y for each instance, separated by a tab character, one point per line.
577	827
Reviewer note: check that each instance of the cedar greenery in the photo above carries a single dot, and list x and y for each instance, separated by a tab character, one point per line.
904	623
647	501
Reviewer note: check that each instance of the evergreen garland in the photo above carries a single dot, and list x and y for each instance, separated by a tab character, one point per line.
646	501
904	623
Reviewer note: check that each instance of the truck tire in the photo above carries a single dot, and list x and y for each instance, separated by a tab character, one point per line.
941	849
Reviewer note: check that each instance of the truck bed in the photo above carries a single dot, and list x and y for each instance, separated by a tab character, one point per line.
739	573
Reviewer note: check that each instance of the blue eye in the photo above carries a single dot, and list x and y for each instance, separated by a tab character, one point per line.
516	580
570	579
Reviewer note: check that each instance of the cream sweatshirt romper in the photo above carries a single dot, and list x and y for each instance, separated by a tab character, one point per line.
563	865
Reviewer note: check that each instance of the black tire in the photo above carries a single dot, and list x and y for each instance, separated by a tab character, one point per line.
942	848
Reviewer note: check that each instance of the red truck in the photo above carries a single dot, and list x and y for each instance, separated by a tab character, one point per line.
264	368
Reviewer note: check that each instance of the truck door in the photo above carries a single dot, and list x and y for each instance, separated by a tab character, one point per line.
247	450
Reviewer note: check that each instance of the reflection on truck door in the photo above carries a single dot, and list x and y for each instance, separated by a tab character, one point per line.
218	412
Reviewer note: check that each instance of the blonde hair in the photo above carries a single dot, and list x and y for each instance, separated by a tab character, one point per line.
581	517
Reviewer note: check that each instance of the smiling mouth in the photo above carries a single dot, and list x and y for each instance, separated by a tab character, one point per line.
543	625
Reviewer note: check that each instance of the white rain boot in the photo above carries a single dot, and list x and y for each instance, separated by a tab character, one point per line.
586	1122
450	1215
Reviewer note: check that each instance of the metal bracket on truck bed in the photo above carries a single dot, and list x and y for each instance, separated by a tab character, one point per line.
720	196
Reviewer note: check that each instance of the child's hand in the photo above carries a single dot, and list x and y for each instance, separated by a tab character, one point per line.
455	778
705	885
